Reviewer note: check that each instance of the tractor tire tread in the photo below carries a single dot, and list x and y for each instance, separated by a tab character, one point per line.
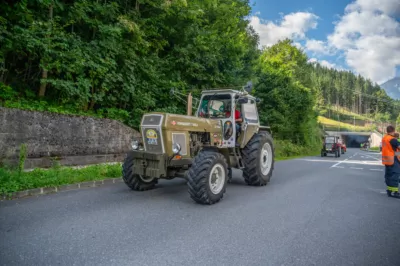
198	174
133	181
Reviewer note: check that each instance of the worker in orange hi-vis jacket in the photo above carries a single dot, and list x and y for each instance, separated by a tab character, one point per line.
391	160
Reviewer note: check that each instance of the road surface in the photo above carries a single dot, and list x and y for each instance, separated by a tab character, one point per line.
315	211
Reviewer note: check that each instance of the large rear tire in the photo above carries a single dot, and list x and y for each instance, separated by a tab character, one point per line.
258	157
135	181
207	177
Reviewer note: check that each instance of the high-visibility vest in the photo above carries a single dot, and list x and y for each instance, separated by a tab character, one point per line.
387	150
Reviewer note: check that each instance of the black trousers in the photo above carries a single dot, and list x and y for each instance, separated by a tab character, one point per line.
392	178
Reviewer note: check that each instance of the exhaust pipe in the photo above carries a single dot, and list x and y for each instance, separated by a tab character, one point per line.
189	104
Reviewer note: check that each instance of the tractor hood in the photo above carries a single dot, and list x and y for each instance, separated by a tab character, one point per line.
191	123
174	122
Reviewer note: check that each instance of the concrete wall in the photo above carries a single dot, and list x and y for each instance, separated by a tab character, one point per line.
376	139
76	140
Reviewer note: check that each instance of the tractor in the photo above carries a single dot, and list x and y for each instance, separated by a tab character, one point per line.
331	145
204	148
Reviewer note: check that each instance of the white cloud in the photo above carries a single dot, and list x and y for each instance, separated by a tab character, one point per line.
292	26
298	45
390	7
312	60
369	36
318	47
327	64
324	63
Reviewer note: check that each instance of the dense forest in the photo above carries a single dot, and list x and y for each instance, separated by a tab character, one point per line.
120	58
344	89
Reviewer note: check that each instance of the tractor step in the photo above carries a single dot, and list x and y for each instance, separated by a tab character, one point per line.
238	156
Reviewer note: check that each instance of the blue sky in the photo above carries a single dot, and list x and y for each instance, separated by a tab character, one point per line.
355	35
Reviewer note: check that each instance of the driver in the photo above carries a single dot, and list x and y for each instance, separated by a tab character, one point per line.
238	118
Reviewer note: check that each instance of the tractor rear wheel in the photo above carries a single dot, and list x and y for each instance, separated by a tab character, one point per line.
258	157
207	177
135	181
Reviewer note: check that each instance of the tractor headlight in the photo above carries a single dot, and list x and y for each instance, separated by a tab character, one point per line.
176	148
135	145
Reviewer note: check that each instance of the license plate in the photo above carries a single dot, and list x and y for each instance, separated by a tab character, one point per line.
152	141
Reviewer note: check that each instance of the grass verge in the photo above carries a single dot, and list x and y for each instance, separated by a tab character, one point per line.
12	180
374	149
285	150
343	126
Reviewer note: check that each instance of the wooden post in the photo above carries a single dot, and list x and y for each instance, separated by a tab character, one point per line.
189	104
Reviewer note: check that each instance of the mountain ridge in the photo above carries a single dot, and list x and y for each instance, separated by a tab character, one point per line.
392	87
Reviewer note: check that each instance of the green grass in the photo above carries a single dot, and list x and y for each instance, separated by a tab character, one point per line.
277	159
11	180
374	149
333	124
346	112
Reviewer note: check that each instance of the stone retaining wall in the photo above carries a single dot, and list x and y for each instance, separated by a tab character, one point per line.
73	140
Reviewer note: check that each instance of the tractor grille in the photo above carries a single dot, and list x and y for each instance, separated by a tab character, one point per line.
328	146
152	139
151	132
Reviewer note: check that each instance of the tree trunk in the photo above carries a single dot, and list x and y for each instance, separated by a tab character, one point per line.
43	84
42	89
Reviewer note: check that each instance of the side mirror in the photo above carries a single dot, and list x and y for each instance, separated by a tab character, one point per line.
243	100
237	96
258	100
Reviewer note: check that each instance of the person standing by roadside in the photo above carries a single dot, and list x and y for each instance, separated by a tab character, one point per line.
391	161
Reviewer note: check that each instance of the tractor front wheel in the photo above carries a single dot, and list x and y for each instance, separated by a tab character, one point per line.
135	181
258	157
207	177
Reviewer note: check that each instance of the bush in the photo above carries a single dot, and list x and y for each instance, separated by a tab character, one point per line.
286	149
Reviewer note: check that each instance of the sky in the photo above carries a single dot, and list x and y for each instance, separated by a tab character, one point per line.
362	36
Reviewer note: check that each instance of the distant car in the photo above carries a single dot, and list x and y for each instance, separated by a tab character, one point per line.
380	146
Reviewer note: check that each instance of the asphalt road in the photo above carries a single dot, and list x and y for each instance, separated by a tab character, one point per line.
315	211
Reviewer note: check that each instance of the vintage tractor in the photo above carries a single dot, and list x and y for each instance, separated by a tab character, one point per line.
203	148
331	145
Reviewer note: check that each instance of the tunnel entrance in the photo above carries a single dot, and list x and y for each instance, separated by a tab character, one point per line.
354	141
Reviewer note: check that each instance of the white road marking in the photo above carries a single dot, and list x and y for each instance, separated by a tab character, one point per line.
375	162
373	157
356	168
336	164
380	170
